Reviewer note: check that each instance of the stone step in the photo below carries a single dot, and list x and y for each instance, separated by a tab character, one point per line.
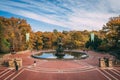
4	71
117	71
13	74
108	74
112	72
5	74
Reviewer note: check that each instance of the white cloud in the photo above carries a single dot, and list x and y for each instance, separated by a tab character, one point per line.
115	5
72	14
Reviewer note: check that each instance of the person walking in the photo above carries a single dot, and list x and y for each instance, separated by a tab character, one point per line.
16	65
34	63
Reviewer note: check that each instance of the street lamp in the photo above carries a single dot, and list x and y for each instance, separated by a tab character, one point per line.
13	35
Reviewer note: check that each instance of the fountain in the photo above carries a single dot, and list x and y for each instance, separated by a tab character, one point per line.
59	51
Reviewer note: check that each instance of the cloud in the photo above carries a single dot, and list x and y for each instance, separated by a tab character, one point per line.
72	14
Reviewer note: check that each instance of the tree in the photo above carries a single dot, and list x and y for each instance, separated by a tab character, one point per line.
78	39
47	40
112	29
4	44
93	44
38	43
12	31
55	31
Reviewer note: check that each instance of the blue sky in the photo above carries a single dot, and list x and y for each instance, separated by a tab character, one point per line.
47	15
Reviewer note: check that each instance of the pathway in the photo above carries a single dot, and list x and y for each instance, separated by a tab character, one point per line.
86	69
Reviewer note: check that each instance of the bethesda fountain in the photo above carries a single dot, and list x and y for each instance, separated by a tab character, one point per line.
59	51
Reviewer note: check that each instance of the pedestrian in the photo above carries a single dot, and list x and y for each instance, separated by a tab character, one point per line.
16	65
34	63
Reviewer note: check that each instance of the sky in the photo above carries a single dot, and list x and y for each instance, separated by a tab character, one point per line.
47	15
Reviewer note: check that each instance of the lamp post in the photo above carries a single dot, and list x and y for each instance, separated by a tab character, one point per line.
14	36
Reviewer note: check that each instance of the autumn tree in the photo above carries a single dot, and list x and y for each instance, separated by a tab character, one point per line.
47	42
112	29
13	33
38	42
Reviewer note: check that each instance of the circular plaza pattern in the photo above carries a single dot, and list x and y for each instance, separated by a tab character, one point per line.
61	66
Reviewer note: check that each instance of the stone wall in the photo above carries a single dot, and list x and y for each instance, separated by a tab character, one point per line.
12	64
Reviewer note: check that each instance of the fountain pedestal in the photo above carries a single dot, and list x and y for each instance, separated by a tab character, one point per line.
59	51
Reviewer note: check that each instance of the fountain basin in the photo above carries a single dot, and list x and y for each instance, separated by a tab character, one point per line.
66	55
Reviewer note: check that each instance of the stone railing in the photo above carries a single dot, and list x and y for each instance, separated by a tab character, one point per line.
105	63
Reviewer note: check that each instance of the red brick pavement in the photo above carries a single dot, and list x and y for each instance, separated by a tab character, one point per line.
30	75
86	69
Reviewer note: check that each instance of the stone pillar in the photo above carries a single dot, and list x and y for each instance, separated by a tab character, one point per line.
110	62
102	63
11	63
19	62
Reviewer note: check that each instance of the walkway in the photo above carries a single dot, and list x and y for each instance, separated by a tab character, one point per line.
86	69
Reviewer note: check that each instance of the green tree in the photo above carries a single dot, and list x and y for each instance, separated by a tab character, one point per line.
93	44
